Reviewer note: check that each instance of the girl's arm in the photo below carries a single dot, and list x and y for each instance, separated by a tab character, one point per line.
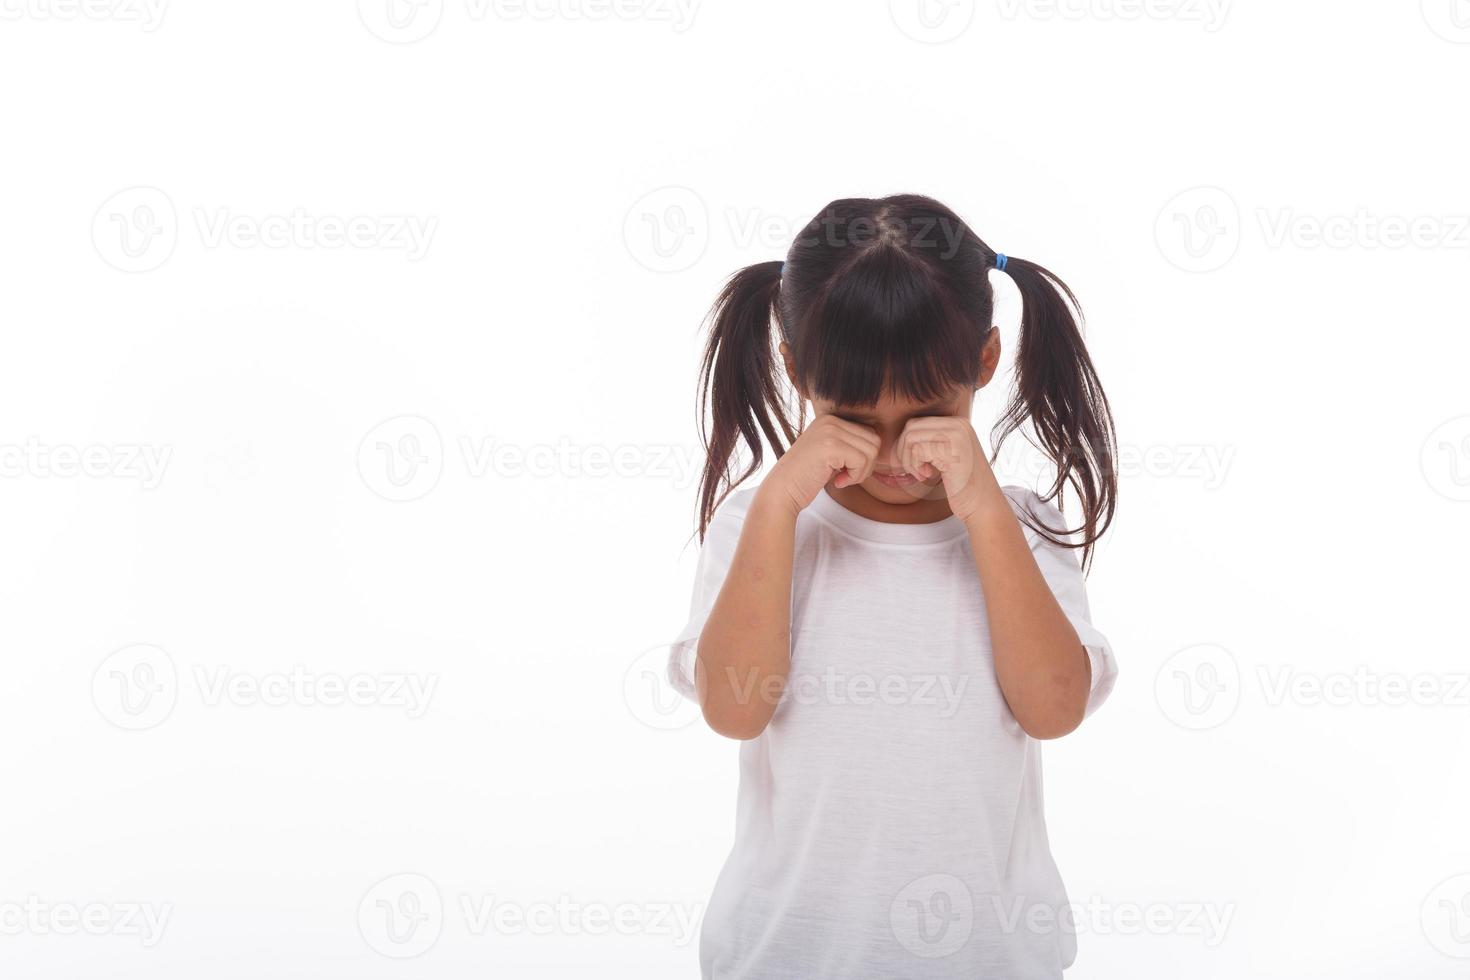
1041	664
744	650
745	646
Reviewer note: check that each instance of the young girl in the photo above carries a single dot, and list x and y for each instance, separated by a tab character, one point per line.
889	630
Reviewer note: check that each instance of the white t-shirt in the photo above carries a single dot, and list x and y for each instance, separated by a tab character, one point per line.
889	821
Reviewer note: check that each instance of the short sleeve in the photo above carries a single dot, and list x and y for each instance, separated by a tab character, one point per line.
715	555
1061	568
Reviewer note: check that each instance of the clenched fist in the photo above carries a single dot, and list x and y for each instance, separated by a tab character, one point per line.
947	445
830	445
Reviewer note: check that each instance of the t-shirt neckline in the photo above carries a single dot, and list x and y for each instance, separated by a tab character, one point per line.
826	507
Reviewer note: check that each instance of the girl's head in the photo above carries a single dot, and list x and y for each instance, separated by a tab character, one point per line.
884	310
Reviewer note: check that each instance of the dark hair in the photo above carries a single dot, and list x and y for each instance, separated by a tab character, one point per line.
893	295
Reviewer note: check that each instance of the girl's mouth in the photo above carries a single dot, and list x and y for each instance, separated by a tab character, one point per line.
895	480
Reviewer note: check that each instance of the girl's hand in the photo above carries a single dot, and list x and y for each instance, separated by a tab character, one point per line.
830	445
947	445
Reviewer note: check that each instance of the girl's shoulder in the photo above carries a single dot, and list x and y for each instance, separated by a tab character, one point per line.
737	504
1034	512
740	498
729	516
1027	502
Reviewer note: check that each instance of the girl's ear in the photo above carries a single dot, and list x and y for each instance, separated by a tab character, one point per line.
989	358
785	350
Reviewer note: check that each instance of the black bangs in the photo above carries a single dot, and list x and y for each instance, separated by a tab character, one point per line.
885	324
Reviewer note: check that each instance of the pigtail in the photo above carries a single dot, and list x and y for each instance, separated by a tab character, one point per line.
740	396
1058	392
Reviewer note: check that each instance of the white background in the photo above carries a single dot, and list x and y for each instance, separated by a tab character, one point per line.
1226	186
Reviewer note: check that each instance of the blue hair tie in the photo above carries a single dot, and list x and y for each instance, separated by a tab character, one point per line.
1000	262
783	270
